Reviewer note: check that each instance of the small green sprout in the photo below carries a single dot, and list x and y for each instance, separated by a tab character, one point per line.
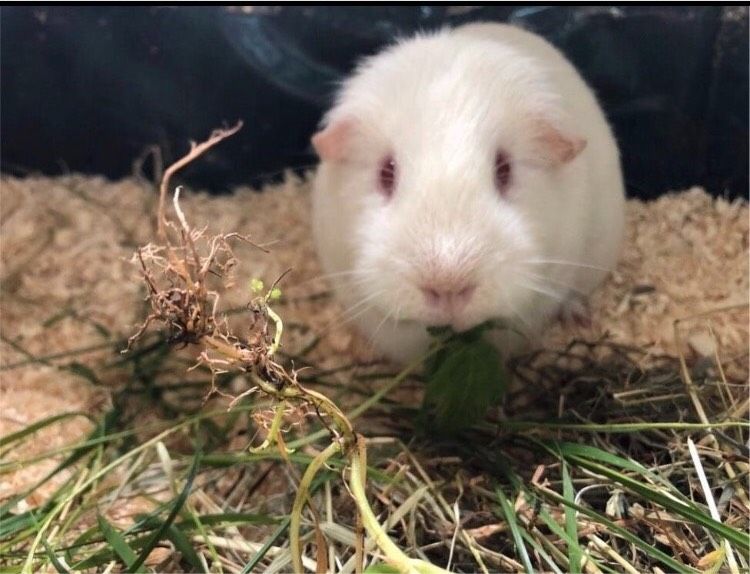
275	294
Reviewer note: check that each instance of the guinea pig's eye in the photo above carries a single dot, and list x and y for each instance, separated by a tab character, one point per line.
387	176
503	171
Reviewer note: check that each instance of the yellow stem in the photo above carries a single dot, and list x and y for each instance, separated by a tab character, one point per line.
393	553
273	432
279	330
299	502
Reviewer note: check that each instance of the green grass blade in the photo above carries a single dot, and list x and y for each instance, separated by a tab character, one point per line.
149	523
598	455
59	566
556	529
264	549
680	505
671	563
571	526
178	504
381	568
510	519
610	428
118	544
13	524
231	518
32	428
88	536
63	354
734	536
81	370
102	428
183	545
145	523
594	453
541	551
105	556
108	422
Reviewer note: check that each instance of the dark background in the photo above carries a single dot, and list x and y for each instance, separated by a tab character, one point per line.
88	88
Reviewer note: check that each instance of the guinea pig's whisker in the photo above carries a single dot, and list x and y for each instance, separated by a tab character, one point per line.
356	273
371	339
524	323
397	314
357	305
552	282
354	282
355	315
562	262
392	314
350	273
542	290
342	319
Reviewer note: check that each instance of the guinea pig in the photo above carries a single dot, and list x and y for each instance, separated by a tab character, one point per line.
466	175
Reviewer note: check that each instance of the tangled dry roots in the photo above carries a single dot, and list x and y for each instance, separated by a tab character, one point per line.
178	277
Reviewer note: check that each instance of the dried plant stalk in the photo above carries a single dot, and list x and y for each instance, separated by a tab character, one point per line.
177	276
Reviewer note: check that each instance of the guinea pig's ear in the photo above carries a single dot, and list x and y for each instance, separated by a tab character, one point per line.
332	142
555	145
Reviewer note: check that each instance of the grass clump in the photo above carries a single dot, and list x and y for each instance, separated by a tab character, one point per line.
605	459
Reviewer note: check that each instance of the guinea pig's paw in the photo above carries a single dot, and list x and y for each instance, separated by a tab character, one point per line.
575	312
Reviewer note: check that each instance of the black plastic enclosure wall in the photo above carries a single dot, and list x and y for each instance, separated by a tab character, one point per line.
88	88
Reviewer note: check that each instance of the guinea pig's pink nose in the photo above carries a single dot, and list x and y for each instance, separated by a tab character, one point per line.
447	297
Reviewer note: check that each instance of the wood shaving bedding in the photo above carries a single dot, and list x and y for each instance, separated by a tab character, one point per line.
68	283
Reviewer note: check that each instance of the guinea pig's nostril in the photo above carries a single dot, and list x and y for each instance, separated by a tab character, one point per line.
431	295
464	295
450	297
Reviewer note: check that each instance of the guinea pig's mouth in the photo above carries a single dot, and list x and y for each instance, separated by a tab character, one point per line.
457	324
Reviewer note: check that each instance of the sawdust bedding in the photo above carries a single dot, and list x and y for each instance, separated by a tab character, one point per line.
68	284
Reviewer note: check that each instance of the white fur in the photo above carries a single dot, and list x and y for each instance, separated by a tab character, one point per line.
442	104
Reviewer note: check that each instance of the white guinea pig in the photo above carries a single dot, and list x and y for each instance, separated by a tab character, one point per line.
466	175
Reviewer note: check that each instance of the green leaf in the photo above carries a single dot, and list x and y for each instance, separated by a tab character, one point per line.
464	379
118	543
